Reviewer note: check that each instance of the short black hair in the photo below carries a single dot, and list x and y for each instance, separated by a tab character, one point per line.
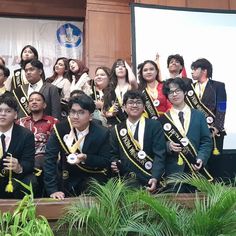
204	64
78	92
178	81
177	57
38	93
133	94
38	64
9	101
84	101
5	70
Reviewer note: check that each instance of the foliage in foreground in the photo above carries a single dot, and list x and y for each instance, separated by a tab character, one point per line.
23	221
117	210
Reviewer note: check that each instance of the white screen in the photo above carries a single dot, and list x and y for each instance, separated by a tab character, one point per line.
193	35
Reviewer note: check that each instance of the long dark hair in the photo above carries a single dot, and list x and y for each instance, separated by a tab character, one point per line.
66	72
35	52
113	81
142	81
82	69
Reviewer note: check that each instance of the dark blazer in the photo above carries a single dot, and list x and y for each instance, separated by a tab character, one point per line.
52	98
214	98
96	147
199	135
154	146
22	147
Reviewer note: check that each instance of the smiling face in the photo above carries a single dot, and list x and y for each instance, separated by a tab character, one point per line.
60	67
175	66
120	70
134	108
36	103
73	66
149	72
101	79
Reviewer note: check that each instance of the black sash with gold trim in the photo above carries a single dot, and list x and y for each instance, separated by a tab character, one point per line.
188	153
136	156
22	100
120	115
150	108
193	101
17	78
59	131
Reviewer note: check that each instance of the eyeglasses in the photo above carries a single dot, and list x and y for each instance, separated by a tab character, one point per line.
77	113
133	102
176	91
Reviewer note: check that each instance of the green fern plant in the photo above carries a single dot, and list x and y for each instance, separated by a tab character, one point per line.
23	221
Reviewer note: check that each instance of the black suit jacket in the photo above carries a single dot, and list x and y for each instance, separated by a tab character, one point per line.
22	147
215	99
154	146
96	146
52	98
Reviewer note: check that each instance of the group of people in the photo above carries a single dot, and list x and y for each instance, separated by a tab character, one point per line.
60	132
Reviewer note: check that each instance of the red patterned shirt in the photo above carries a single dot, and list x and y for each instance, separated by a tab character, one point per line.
41	129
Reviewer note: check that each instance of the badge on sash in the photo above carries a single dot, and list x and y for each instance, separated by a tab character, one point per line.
190	93
184	141
141	154
123	132
23	100
72	158
156	103
167	127
17	73
209	120
148	165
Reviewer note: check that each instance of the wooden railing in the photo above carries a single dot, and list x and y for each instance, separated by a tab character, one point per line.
54	209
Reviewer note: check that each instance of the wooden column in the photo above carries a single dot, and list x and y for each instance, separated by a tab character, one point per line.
107	33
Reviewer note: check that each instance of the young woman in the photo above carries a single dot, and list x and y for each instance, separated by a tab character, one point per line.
156	102
27	54
122	79
99	84
4	73
80	78
61	78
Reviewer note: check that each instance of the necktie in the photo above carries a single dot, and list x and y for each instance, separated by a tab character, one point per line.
181	118
3	144
136	132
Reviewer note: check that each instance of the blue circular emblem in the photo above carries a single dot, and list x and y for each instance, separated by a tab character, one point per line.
69	35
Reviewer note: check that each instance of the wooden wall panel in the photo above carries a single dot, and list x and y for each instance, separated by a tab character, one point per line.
44	8
175	3
211	4
108	33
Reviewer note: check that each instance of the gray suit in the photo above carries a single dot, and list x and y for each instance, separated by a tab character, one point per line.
52	98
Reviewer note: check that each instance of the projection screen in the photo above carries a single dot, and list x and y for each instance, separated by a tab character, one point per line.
193	34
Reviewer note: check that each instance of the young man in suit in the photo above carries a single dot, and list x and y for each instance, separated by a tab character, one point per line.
17	150
175	65
188	137
35	75
211	99
138	145
84	151
212	95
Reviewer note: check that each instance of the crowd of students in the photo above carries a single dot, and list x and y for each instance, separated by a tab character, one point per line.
60	132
